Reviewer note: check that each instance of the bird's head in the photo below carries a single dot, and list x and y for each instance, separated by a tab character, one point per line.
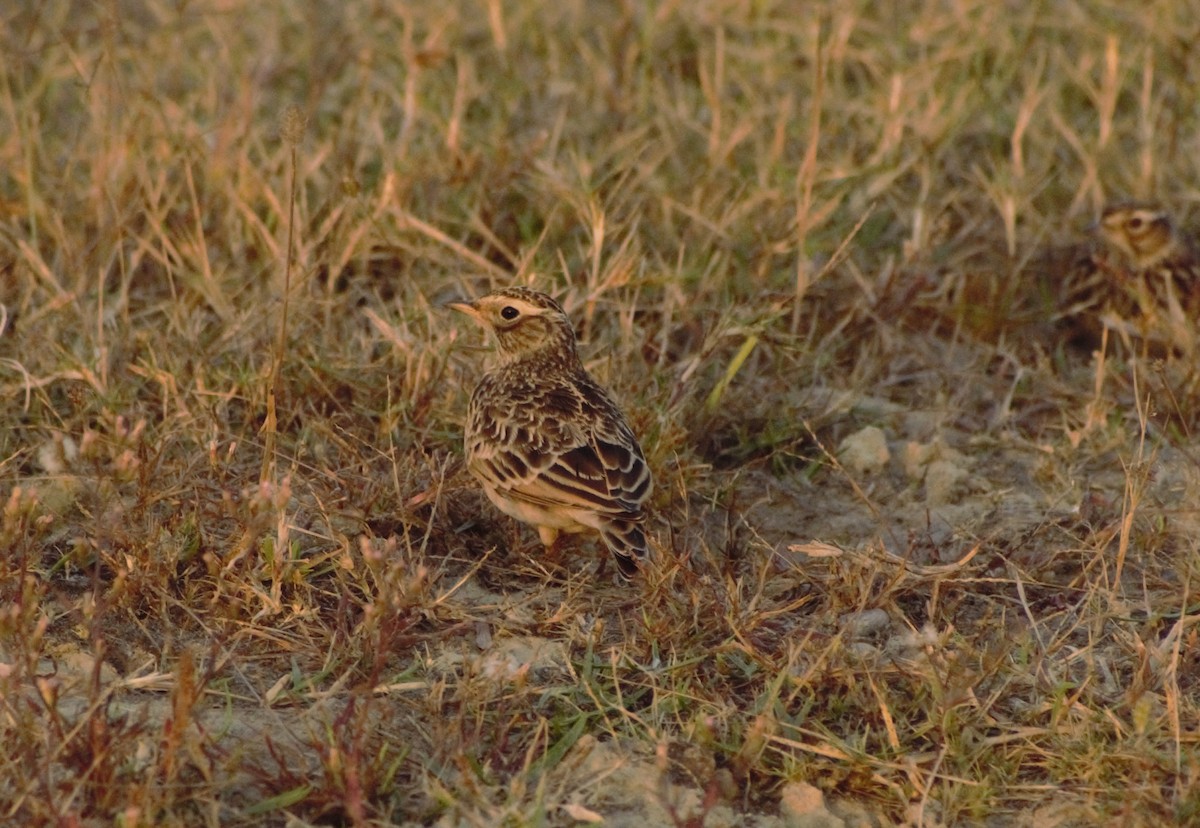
1141	233
526	323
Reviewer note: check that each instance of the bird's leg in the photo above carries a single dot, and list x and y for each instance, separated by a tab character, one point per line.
602	567
551	540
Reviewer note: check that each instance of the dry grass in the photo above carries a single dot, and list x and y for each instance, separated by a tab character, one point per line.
776	227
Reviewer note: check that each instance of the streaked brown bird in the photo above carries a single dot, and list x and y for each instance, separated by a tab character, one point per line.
1139	277
545	440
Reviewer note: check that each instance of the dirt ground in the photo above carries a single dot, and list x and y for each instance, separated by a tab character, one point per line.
923	555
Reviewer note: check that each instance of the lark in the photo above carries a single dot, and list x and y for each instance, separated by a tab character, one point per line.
1140	278
546	441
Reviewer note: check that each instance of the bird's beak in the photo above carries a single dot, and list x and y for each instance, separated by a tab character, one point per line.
468	308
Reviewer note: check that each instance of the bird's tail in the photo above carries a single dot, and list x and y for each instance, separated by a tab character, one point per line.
627	541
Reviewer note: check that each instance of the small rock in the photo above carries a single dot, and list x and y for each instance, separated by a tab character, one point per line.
803	806
941	478
864	623
581	813
862	651
923	424
910	641
853	813
511	659
57	455
79	665
914	458
722	816
865	451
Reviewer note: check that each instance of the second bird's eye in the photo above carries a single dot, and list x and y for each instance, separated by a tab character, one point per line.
509	312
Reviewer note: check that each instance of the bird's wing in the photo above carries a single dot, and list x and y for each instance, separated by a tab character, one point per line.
603	475
561	445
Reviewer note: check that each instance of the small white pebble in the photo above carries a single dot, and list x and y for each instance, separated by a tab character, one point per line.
865	451
864	623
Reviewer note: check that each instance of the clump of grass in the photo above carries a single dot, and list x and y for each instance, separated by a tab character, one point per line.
247	581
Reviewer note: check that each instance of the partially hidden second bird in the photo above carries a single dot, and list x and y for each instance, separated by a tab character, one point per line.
1139	277
546	441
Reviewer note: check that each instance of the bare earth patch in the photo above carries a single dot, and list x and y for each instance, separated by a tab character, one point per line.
923	558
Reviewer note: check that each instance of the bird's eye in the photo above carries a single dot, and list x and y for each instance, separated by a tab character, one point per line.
1136	223
509	312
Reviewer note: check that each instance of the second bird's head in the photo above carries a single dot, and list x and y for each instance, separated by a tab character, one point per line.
1142	233
526	323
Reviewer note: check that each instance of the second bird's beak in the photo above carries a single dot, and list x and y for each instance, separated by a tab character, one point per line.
468	308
